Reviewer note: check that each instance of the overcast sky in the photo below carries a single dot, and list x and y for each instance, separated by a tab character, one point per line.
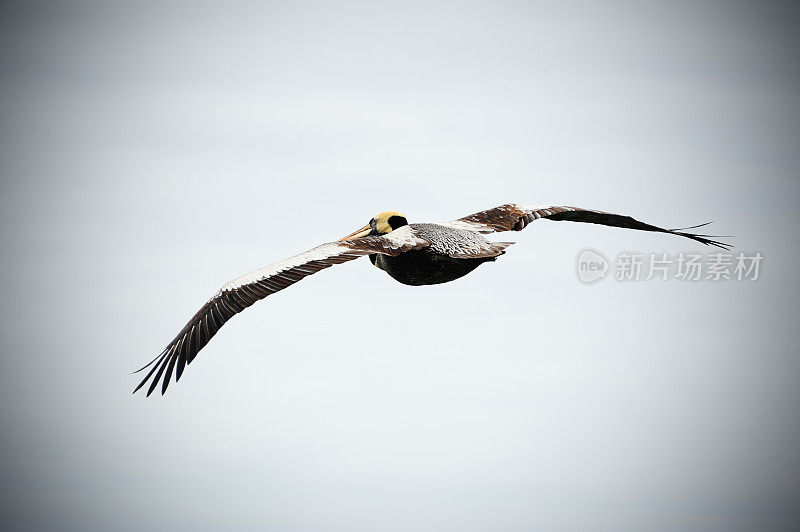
151	151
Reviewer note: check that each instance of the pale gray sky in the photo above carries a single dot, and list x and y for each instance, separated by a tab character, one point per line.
151	151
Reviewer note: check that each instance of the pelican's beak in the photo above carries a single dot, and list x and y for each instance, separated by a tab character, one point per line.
364	231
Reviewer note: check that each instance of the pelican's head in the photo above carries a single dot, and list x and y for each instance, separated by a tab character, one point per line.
380	224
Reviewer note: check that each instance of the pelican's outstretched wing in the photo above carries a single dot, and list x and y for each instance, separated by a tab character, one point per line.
243	291
512	217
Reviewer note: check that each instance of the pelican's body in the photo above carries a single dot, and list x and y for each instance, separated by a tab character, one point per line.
424	266
416	254
439	262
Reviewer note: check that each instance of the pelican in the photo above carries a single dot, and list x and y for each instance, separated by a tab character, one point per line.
413	254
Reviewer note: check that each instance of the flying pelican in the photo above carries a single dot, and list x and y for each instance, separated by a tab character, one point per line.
413	254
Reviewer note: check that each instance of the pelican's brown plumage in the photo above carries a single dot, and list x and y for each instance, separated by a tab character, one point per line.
415	254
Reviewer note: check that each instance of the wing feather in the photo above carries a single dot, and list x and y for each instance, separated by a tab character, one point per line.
513	217
246	290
